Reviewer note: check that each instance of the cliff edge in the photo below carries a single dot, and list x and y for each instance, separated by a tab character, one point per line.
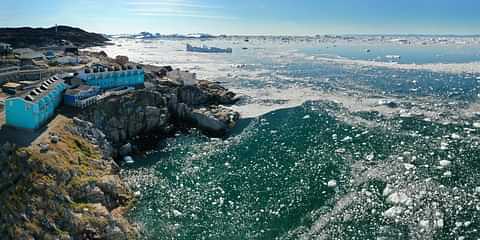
64	187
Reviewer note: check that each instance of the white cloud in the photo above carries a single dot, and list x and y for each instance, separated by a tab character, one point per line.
175	8
173	3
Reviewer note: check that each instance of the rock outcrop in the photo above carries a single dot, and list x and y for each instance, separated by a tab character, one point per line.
214	120
127	116
159	110
206	93
71	190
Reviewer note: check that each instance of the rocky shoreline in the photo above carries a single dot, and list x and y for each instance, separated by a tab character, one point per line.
162	110
67	185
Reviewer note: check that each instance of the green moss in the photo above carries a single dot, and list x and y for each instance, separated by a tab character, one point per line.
43	186
79	207
80	181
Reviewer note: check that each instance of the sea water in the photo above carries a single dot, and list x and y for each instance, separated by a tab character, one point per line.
405	171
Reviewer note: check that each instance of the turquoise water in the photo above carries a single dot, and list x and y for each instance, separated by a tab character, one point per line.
408	53
269	181
398	176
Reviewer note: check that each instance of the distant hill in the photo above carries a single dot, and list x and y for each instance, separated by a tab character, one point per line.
40	37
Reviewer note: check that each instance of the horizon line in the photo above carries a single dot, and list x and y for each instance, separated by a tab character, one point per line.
264	34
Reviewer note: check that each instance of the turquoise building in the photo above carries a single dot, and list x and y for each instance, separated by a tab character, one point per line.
81	96
109	77
33	109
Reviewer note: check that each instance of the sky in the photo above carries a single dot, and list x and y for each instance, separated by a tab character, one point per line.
258	17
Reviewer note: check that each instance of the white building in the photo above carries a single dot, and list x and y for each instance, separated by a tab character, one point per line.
73	60
27	53
185	77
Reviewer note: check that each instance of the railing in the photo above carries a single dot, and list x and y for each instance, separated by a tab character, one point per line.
115	92
86	102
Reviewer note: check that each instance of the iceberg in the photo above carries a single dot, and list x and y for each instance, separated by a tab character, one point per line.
205	49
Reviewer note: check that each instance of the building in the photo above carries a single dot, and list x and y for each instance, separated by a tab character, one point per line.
81	96
26	62
113	77
71	60
9	68
33	109
11	87
5	49
73	81
185	77
50	55
27	53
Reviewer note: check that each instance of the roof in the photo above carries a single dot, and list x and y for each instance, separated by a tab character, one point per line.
42	89
11	85
31	55
50	53
23	50
77	90
29	82
27	53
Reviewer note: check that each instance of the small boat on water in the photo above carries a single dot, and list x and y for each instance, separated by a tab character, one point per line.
393	56
205	49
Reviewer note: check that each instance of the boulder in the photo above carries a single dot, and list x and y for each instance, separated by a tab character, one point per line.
125	150
210	125
113	232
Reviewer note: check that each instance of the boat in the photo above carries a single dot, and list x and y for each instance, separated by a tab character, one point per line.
205	49
393	56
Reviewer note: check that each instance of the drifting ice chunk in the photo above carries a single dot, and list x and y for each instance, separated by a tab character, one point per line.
445	163
177	213
393	212
128	160
388	190
332	184
399	198
408	166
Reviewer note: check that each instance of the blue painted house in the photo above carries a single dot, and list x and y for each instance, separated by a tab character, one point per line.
35	108
81	96
73	95
109	77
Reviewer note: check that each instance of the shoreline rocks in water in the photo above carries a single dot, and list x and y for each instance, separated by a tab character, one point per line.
162	110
